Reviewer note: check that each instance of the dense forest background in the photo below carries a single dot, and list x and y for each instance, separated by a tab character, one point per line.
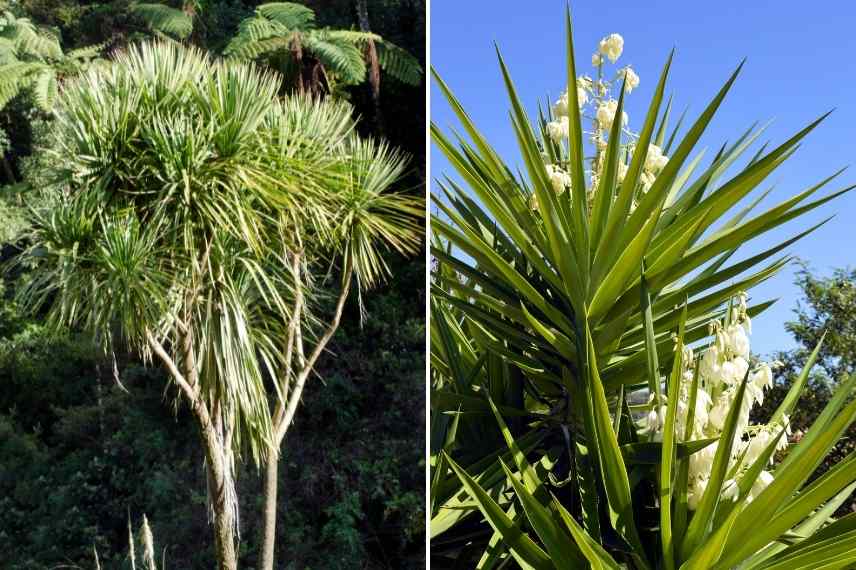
80	454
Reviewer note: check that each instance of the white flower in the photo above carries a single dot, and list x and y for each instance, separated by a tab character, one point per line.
560	107
738	341
558	130
730	490
763	377
631	80
622	172
728	372
647	180
721	341
696	492
702	409
747	324
753	394
687	355
720	411
611	46
702	461
710	366
756	447
596	59
741	366
606	113
559	179
655	160
533	202
582	96
762	482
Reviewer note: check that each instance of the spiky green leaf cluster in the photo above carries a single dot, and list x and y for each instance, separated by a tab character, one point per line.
179	185
545	320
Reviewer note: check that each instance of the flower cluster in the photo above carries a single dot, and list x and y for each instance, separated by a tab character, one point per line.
597	103
721	370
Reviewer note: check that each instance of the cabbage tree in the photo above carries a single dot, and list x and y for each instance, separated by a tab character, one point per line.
590	325
183	196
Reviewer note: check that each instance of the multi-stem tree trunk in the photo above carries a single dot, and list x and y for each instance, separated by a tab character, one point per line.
216	445
292	391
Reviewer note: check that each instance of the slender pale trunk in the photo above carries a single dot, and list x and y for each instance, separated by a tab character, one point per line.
291	393
270	498
218	470
374	64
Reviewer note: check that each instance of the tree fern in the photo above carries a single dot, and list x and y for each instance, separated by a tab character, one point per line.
32	58
398	63
282	27
256	49
8	51
392	59
291	15
28	39
253	30
339	56
165	19
87	52
45	88
355	36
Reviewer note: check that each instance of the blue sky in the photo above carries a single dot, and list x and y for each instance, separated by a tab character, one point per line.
801	63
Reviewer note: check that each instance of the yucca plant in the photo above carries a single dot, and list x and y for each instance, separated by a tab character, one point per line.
188	212
316	59
573	425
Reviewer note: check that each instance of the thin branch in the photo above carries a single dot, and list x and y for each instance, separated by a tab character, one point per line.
289	344
294	398
177	376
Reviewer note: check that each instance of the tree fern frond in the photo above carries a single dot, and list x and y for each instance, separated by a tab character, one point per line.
398	63
253	30
86	52
289	14
45	89
252	50
165	19
354	36
15	77
339	56
30	40
8	51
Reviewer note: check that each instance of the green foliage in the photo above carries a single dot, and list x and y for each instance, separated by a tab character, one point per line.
72	466
286	32
152	465
557	305
827	310
174	126
830	305
165	19
31	57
